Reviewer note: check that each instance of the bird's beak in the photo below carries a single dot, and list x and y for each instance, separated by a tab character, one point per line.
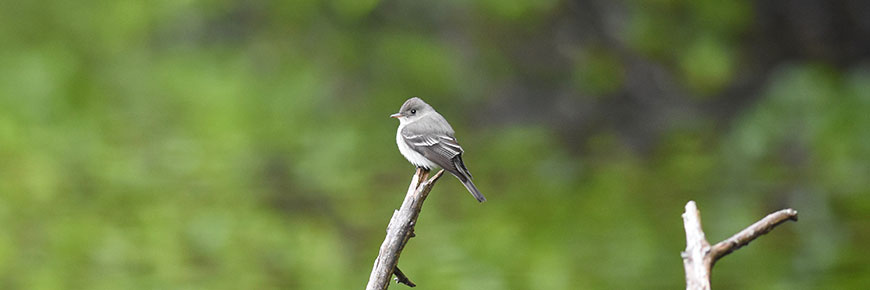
396	115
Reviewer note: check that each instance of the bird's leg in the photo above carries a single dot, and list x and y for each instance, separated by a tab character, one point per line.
423	175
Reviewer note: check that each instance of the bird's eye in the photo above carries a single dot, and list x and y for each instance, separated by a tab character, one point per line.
413	111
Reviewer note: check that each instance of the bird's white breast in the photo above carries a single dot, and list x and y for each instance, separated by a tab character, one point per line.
413	156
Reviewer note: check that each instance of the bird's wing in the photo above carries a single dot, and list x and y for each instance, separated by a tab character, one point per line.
440	148
444	145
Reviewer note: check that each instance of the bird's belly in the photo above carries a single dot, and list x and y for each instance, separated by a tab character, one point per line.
413	156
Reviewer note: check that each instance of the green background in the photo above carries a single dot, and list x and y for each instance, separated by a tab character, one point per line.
246	145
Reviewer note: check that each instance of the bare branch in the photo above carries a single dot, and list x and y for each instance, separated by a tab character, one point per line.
699	257
695	257
400	229
754	231
401	278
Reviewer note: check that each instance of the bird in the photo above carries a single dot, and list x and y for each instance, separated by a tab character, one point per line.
426	139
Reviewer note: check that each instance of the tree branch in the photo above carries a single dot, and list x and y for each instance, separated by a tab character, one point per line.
695	259
754	231
400	229
401	278
699	257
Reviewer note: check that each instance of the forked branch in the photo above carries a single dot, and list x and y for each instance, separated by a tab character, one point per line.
699	257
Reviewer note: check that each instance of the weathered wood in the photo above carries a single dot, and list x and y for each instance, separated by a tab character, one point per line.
695	259
699	257
399	230
754	231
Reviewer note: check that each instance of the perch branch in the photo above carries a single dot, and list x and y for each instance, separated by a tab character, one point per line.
400	229
699	257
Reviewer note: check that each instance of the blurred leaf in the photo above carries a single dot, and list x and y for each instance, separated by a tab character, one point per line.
708	65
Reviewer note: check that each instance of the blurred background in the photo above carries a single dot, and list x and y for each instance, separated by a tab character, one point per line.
247	145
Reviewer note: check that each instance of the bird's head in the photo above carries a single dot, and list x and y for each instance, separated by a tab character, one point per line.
411	110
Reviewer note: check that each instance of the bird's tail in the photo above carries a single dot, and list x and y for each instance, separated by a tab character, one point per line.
464	176
473	190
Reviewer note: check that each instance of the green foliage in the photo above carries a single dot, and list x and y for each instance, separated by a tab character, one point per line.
246	145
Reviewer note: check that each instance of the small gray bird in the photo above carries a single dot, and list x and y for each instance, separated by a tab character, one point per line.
426	140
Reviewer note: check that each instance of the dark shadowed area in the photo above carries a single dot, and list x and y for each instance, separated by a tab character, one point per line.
247	144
